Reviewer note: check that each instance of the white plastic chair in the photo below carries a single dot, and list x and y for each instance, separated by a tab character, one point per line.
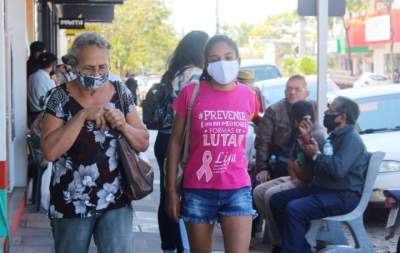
332	232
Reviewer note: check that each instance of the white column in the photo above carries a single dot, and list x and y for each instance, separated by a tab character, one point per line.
322	8
3	134
16	26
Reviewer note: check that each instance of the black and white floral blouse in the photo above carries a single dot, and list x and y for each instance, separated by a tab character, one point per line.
86	179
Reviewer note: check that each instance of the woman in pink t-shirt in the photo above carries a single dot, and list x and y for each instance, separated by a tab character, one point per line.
216	185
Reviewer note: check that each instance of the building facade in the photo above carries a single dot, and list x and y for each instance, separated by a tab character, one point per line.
21	23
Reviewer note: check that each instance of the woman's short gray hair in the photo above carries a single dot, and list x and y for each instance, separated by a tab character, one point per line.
82	40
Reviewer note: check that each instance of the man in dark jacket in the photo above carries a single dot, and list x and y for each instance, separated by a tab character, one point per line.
339	177
275	129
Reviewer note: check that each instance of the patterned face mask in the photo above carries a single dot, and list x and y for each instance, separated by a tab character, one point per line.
92	82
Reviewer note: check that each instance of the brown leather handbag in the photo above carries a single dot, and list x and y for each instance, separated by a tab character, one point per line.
138	173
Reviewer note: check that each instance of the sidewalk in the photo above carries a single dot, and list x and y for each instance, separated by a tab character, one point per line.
33	234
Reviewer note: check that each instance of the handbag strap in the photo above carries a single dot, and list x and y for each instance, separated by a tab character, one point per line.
188	123
117	86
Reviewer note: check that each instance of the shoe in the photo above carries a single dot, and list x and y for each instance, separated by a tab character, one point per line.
276	249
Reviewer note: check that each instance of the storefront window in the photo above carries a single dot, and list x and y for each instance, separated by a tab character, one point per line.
388	63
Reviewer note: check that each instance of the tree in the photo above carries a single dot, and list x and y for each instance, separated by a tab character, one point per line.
352	7
290	66
140	37
389	6
239	33
308	65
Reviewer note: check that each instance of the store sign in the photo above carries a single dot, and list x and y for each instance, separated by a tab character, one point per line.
336	8
377	28
71	23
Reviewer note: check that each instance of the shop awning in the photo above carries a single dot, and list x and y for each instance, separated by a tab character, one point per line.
90	13
99	11
88	1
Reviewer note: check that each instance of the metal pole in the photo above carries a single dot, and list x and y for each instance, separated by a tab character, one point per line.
322	7
217	16
302	40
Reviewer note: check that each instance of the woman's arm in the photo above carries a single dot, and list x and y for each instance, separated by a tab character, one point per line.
57	137
173	156
136	132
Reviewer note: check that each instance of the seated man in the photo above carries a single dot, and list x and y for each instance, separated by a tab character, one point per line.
339	176
302	112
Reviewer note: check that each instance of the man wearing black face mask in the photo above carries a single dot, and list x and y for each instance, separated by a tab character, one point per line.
339	177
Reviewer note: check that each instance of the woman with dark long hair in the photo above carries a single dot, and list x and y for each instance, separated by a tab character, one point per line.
216	186
184	67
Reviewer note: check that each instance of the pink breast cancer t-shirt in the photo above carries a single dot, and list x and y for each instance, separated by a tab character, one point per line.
220	119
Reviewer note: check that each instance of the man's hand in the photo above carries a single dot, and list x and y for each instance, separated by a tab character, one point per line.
390	202
263	176
297	182
306	126
310	149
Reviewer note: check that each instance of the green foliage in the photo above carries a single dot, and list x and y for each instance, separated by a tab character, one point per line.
280	26
308	66
239	33
141	39
357	6
290	66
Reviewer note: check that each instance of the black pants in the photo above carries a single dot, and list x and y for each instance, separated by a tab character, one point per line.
398	246
257	222
169	229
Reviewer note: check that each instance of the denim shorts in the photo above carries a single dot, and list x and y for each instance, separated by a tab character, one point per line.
207	206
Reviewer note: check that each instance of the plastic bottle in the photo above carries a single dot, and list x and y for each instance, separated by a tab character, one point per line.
328	148
272	159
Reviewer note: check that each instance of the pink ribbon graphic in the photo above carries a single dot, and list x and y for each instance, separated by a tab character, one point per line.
205	167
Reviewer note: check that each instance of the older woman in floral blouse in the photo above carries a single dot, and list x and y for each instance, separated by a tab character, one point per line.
80	127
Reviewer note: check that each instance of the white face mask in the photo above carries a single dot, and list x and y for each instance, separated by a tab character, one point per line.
223	72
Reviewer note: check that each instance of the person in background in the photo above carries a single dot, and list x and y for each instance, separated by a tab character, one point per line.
339	177
184	67
80	129
274	131
216	186
248	77
301	112
39	83
64	71
36	48
132	85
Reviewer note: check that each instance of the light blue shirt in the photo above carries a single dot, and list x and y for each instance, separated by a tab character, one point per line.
39	83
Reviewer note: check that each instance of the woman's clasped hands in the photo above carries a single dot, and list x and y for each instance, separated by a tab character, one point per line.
106	115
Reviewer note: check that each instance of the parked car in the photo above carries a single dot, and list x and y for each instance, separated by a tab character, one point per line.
370	79
261	69
274	90
379	126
